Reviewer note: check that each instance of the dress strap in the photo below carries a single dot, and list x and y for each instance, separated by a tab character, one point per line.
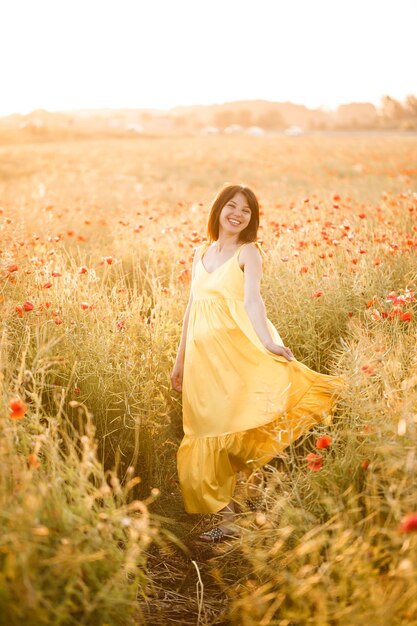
261	250
202	248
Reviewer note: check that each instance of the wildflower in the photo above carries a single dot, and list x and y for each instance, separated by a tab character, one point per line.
18	409
84	306
12	268
368	369
323	442
58	321
33	461
314	461
184	276
56	274
108	259
83	270
19	310
406	316
317	293
365	464
408	523
396	310
28	306
47	285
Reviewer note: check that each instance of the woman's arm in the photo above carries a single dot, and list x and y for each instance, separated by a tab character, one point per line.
181	348
183	340
254	303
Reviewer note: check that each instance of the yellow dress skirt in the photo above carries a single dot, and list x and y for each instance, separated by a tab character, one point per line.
242	404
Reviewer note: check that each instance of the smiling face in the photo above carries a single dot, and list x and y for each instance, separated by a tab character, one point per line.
235	215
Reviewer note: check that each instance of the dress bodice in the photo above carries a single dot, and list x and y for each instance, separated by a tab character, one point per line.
226	281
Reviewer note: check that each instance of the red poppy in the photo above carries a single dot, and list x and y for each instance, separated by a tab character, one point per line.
18	409
323	442
19	310
83	270
406	316
365	464
409	523
12	268
317	293
47	285
85	306
28	306
314	461
33	461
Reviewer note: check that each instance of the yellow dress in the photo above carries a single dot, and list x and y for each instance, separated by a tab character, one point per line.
242	404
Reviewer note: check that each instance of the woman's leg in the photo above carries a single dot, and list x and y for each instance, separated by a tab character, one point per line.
255	483
228	515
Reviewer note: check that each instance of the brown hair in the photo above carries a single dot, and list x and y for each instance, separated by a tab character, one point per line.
222	198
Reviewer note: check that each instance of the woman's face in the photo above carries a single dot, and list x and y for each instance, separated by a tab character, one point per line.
235	215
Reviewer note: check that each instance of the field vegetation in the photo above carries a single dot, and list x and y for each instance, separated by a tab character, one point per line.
97	241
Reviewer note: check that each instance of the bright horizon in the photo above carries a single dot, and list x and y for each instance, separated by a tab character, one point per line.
63	56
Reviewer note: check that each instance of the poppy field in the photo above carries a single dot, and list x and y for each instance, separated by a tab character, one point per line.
96	247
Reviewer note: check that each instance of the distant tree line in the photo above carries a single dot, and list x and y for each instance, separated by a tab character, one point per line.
271	120
395	114
392	114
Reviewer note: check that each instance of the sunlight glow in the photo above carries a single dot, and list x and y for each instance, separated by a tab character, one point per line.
135	54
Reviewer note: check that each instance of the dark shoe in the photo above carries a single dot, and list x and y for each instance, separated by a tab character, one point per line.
215	535
256	503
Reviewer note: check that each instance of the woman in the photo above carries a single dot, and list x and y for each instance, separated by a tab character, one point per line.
244	395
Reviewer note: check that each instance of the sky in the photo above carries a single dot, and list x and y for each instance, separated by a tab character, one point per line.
63	55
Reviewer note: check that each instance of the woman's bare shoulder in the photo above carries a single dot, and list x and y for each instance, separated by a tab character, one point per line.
251	253
253	249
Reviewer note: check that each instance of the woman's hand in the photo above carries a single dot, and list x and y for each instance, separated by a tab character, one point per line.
177	375
281	351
